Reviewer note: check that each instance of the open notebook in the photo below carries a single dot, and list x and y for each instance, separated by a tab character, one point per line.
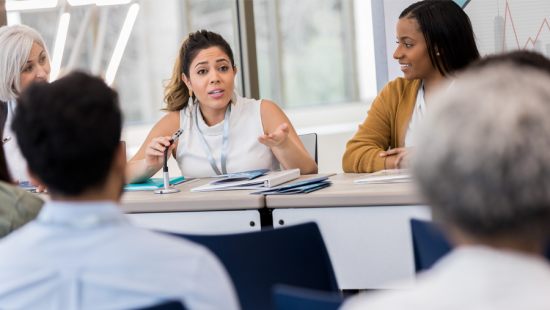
267	179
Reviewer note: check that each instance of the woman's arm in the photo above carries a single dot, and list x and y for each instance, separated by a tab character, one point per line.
373	137
283	140
150	157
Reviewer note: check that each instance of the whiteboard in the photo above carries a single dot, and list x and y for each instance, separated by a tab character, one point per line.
507	25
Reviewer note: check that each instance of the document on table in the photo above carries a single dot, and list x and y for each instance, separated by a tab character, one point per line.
303	187
385	177
267	180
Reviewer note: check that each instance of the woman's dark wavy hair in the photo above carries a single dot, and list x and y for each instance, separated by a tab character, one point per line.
176	93
448	31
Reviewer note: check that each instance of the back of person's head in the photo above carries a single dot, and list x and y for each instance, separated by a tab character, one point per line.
483	154
15	46
69	132
519	58
447	31
176	91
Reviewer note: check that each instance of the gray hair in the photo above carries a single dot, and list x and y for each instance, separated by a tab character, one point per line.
483	153
15	46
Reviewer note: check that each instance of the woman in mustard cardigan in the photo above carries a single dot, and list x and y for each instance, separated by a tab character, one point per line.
435	39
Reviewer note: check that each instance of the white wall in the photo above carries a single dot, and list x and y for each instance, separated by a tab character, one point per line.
392	10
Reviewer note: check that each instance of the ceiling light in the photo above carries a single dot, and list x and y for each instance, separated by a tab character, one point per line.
81	2
30	5
111	2
60	40
121	43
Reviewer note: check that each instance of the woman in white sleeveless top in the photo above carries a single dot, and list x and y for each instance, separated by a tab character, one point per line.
222	132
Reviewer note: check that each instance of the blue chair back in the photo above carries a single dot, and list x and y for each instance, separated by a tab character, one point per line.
172	305
286	297
429	244
294	255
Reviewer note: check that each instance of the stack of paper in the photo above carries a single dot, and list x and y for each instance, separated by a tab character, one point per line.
154	183
386	176
303	187
267	180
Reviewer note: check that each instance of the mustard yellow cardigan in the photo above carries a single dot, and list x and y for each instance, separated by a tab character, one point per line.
386	125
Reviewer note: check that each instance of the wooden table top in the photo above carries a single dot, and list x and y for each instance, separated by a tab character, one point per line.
344	193
185	200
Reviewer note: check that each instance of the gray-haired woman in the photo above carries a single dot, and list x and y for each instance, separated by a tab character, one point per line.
24	59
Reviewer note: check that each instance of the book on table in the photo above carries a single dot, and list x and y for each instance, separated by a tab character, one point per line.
257	179
154	183
302	187
385	177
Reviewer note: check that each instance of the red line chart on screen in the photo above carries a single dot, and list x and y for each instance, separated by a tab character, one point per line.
504	25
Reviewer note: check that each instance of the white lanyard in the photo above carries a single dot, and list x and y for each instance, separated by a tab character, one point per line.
224	141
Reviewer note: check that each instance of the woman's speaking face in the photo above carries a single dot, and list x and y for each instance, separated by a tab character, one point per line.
37	68
212	78
412	51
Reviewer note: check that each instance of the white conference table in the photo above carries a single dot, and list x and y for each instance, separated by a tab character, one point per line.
195	212
366	228
216	212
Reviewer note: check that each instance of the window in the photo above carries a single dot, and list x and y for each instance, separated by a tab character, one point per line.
306	50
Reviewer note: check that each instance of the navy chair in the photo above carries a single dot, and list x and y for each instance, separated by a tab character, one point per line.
294	255
429	244
172	305
286	297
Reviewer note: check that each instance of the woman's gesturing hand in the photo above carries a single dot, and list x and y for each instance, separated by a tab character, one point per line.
154	154
276	139
397	158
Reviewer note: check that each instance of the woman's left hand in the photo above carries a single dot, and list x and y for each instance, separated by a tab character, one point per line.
277	139
401	156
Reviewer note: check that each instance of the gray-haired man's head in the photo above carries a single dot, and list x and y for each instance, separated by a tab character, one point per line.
483	155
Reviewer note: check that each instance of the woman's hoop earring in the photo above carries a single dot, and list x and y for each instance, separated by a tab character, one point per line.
234	98
190	102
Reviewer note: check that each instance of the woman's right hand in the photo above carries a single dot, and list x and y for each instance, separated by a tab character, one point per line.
154	154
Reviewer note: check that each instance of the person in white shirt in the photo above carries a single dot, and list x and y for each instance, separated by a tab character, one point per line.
81	252
24	59
222	131
483	163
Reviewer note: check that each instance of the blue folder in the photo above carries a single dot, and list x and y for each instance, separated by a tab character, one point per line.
152	184
303	187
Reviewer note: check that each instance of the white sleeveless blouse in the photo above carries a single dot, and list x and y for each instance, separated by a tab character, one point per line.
244	151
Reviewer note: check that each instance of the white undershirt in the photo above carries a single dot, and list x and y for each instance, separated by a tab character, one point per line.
419	113
417	117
